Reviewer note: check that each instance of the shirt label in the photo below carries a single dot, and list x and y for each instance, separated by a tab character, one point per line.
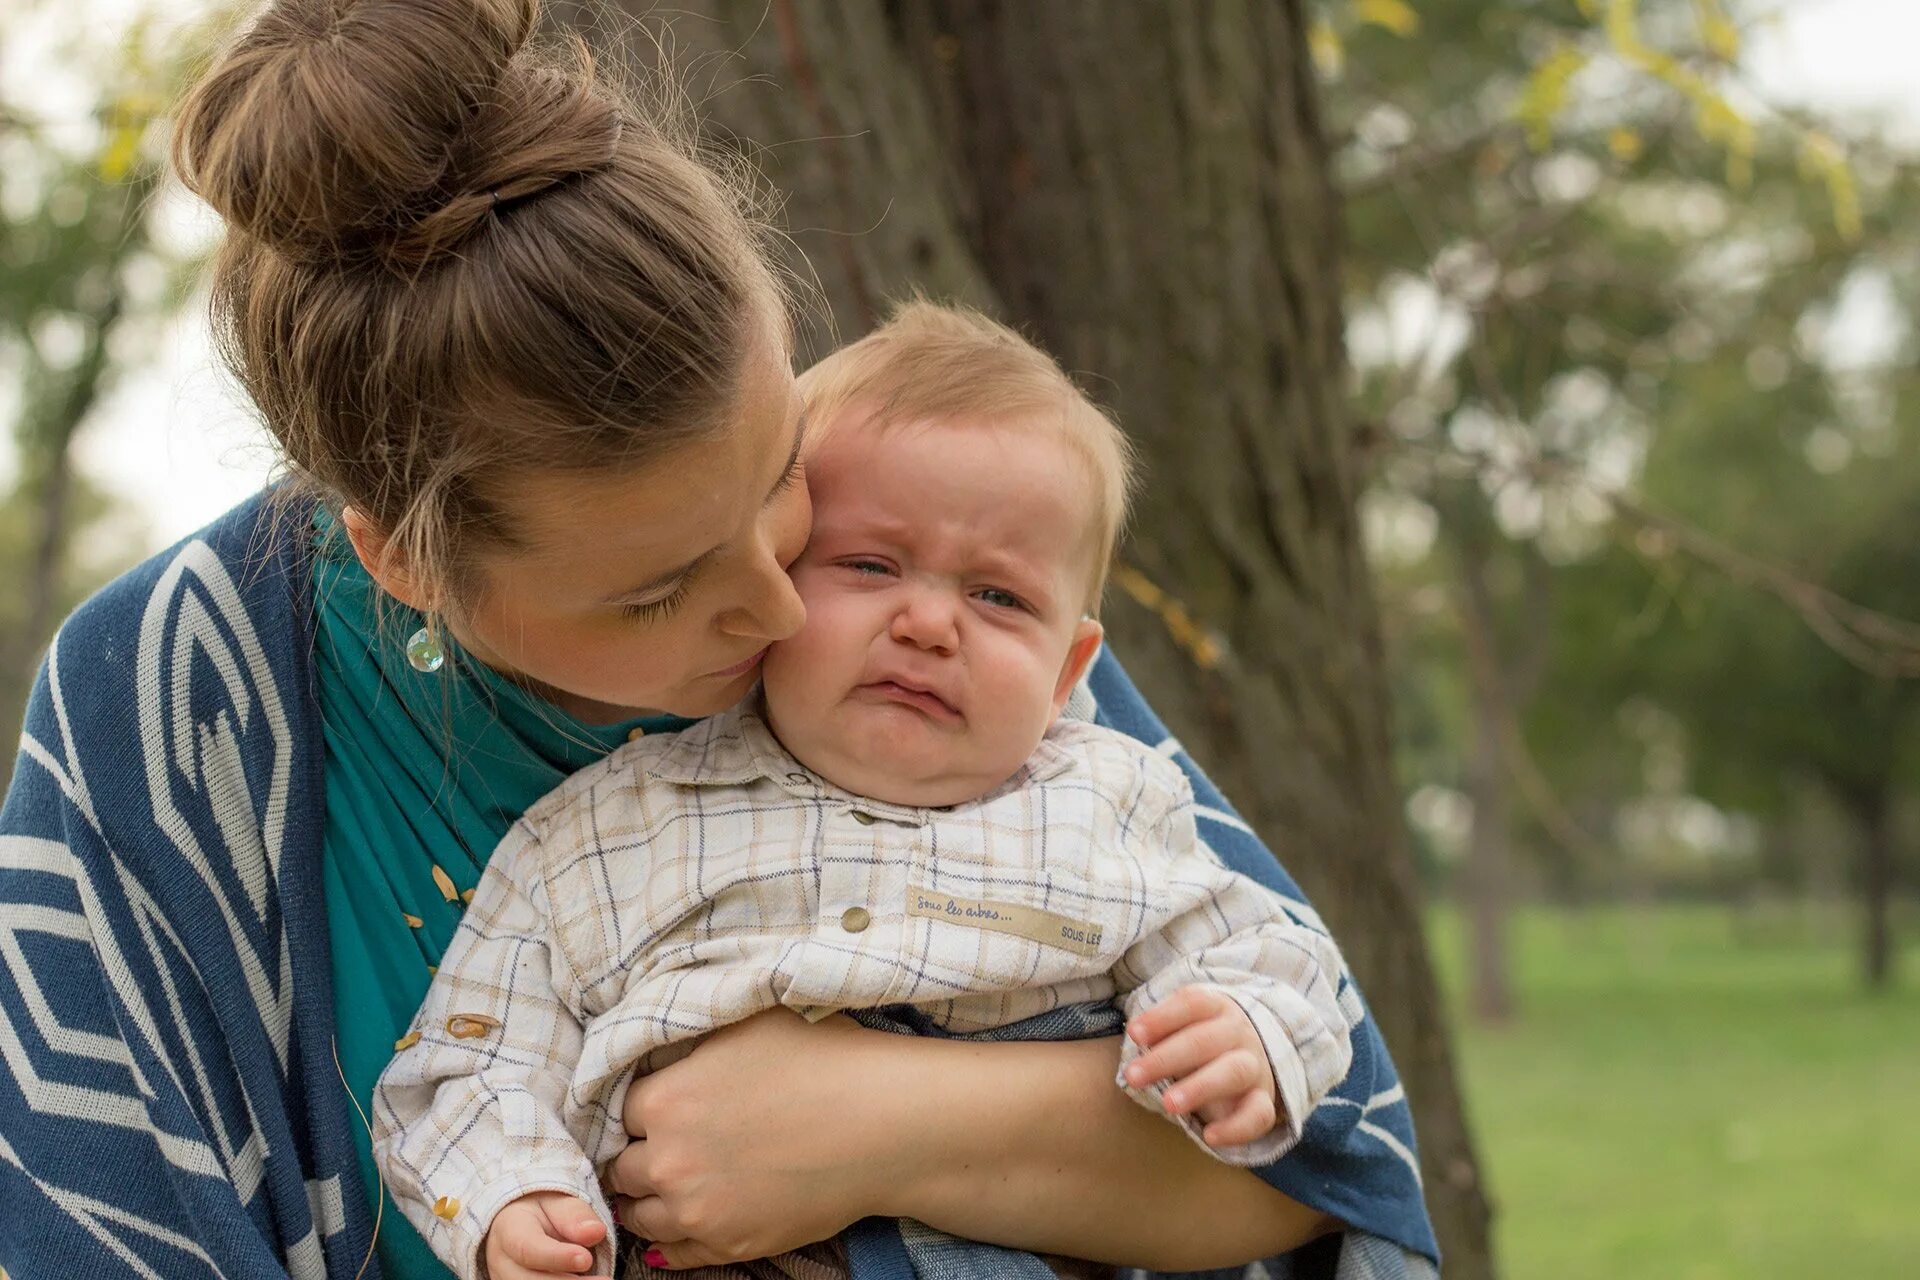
1079	936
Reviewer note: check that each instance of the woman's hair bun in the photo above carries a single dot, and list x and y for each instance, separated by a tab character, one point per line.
336	126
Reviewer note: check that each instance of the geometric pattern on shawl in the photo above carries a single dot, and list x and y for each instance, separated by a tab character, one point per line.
168	1102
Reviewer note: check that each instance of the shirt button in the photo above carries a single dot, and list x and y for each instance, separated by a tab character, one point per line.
636	733
864	819
854	919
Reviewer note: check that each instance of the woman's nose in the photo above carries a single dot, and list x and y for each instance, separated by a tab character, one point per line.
772	609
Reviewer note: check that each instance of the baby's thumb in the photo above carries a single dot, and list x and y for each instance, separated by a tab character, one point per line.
574	1220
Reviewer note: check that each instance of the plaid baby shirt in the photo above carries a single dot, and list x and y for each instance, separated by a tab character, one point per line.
691	880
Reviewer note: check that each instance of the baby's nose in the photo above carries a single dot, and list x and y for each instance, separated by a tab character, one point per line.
928	621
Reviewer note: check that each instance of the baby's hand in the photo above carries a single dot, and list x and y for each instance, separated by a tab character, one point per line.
1199	1038
546	1235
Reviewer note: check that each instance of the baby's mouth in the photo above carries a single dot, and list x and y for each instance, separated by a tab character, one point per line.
923	700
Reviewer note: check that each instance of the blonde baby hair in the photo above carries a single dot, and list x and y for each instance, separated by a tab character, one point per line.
939	363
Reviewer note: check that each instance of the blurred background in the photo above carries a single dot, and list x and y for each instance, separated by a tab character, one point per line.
1627	427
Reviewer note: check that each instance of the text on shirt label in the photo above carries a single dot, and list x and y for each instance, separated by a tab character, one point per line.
1051	928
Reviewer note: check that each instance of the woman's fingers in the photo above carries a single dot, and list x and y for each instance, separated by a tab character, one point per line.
1187	1005
633	1105
1183	1052
679	1254
647	1218
1227	1076
1253	1119
628	1175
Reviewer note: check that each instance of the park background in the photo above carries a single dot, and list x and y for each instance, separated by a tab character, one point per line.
1533	545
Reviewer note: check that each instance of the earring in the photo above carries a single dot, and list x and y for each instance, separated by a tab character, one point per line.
424	652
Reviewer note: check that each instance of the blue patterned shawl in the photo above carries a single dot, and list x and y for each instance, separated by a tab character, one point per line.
169	1103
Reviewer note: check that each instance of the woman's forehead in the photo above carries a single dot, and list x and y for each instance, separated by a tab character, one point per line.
670	508
654	506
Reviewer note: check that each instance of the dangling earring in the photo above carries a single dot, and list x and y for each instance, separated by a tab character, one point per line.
424	652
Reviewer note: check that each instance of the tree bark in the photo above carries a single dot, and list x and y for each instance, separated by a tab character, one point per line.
1144	189
1488	869
1873	814
55	410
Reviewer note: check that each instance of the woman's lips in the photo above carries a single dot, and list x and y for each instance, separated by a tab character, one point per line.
919	699
741	668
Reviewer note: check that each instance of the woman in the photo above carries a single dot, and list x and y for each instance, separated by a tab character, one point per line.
529	365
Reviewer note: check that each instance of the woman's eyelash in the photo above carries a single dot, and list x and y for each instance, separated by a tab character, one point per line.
793	474
654	610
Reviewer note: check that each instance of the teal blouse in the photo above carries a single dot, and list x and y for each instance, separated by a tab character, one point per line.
424	774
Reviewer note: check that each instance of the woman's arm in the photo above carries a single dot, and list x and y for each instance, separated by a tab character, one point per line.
775	1132
1036	1148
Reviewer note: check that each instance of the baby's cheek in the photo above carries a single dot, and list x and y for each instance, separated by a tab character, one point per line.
785	662
1019	705
801	671
818	640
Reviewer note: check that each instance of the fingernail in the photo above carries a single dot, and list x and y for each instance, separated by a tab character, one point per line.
654	1258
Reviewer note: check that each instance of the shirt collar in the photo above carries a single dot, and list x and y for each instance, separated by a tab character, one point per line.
726	750
736	747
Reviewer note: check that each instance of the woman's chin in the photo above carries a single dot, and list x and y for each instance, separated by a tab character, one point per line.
693	702
698	701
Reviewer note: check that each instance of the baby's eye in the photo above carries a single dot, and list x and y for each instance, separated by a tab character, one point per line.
868	567
1001	599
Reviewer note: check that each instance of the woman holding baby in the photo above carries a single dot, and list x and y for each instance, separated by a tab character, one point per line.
529	363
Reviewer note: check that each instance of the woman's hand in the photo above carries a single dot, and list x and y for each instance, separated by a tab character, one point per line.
753	1144
774	1133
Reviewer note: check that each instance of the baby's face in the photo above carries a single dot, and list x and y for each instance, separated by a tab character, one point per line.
944	587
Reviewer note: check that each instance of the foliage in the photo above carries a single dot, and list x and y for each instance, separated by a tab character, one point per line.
1594	327
83	284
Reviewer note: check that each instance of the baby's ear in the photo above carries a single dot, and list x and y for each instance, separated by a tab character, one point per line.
1080	656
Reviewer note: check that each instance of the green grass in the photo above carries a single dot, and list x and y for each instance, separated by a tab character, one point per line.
1686	1096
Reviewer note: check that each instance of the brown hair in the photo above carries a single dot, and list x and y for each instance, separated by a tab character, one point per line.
455	258
930	362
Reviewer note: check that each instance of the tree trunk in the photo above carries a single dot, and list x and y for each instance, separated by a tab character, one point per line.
1488	869
1874	815
1144	188
52	467
54	411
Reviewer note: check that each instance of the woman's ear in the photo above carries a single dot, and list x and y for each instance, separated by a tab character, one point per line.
383	561
1080	655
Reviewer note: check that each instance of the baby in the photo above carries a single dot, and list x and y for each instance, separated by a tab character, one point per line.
899	815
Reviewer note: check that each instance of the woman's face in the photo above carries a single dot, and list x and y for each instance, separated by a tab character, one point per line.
656	589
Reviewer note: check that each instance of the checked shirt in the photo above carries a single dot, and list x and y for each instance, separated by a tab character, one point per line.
691	880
